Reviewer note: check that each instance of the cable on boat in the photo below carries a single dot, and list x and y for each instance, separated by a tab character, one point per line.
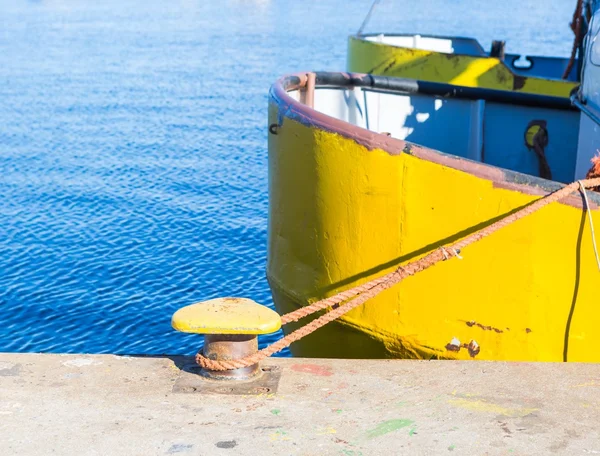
367	17
587	209
358	295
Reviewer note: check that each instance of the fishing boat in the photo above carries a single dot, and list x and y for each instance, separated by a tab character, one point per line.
367	173
464	62
460	61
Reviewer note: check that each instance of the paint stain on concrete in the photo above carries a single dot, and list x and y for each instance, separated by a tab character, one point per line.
80	362
483	406
279	435
71	375
314	369
337	440
179	448
226	444
385	427
10	369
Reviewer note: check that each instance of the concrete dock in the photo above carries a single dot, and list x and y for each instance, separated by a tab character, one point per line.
115	405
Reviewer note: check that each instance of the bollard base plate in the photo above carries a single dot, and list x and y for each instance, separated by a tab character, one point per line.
191	380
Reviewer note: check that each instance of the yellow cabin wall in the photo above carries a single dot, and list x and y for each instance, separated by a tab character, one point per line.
472	71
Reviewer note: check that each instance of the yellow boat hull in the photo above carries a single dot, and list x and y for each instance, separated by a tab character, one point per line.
348	205
366	56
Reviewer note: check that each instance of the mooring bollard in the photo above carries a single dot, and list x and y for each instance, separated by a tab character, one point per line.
230	327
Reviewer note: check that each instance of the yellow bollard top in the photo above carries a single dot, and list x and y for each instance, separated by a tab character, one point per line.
226	316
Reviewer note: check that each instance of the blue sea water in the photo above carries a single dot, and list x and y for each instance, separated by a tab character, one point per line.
133	158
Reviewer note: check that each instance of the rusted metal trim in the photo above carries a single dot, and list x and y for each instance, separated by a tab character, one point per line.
310	90
573	200
307	92
502	178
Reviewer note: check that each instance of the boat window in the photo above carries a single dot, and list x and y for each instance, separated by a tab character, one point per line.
595	49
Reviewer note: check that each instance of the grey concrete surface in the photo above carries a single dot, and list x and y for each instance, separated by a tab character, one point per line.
113	405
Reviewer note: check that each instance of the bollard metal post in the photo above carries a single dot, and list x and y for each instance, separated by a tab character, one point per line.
230	327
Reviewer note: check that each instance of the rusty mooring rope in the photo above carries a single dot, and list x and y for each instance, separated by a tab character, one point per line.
362	293
576	26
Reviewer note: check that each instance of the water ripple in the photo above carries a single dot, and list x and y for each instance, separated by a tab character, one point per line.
133	153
